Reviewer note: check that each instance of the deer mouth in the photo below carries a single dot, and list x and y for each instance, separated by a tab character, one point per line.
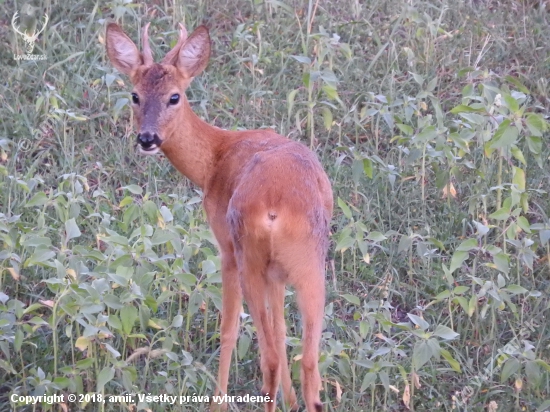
149	143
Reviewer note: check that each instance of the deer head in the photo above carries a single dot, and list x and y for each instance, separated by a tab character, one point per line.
29	39
158	97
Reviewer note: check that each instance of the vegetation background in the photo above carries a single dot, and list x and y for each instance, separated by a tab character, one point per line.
430	118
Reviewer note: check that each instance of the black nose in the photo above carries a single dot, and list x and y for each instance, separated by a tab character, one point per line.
148	139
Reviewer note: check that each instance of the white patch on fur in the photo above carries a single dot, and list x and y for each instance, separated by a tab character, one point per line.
152	151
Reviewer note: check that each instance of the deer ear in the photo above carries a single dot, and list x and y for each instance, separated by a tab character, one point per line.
194	54
122	51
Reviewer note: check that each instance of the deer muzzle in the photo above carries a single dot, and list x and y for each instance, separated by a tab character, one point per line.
149	143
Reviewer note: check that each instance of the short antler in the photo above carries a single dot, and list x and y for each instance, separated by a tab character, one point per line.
172	55
147	55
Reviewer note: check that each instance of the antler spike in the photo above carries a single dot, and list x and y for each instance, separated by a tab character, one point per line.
16	27
171	56
147	54
46	19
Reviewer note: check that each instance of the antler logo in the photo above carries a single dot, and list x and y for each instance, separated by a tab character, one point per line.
30	33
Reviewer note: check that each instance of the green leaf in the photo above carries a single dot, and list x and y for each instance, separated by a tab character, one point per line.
404	243
536	124
501	214
472	304
422	353
306	79
128	316
114	322
330	91
301	59
461	300
468	90
177	321
71	229
405	128
357	171
502	262
508	137
418	321
106	375
345	208
150	209
437	243
161	236
8	368
38	199
38	257
37	241
500	129
368	380
459	290
535	144
467	245
128	200
243	346
458	258
443	295
365	363
84	364
376	237
445	332
367	167
524	224
511	103
417	78
461	108
134	189
510	367
516	289
518	154
112	301
519	178
352	299
449	358
208	267
120	102
290	100
473	118
431	85
427	134
327	118
518	84
166	214
344	243
117	239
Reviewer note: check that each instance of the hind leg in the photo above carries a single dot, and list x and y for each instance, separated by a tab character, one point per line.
311	301
231	306
276	302
256	293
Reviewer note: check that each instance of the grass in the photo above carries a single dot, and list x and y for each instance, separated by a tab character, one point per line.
430	118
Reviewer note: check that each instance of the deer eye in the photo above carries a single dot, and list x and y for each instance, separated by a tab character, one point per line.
174	99
135	98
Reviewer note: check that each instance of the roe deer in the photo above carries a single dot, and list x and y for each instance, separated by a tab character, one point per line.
267	200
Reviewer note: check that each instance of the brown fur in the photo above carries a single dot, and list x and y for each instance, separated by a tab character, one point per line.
267	199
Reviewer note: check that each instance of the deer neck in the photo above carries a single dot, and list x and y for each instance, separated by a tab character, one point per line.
192	146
